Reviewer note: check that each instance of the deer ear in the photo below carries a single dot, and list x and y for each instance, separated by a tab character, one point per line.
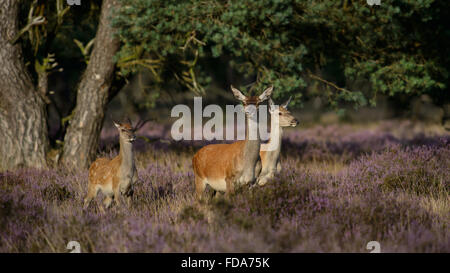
271	106
238	94
266	94
116	124
285	105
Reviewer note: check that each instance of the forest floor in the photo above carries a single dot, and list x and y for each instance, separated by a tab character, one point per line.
341	186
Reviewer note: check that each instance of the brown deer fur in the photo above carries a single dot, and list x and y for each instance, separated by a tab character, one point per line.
114	177
222	166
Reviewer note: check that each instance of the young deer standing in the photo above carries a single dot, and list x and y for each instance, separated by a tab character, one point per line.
270	159
223	165
114	177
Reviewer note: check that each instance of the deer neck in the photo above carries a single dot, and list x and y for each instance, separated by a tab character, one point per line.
252	141
126	154
275	141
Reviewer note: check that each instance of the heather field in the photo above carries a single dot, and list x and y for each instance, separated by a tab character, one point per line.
341	187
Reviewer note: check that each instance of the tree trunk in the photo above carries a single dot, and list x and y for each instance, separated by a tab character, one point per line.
23	127
81	139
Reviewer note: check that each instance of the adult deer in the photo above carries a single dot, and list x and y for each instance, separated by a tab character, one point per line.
221	166
114	177
270	158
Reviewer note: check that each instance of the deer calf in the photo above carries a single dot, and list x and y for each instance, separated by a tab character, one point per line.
270	159
114	177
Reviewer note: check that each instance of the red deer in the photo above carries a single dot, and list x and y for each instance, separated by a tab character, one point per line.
114	177
270	158
222	166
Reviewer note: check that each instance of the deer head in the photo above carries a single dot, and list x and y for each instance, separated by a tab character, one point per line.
251	100
126	131
284	116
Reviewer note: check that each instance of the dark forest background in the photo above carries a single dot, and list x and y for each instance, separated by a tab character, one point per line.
64	69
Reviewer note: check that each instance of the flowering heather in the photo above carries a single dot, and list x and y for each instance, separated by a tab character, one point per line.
341	187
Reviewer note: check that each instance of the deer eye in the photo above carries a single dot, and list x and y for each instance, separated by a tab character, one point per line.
280	113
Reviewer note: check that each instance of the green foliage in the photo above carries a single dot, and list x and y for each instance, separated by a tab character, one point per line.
396	46
54	46
399	47
256	34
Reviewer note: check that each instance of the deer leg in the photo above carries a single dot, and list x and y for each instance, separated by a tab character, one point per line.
130	191
258	168
117	196
107	202
129	201
218	194
230	186
129	196
199	187
266	178
92	192
262	180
